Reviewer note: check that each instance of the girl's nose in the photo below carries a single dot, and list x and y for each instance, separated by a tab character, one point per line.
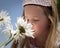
32	24
32	27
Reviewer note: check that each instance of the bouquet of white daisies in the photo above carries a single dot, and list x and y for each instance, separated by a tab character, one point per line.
23	28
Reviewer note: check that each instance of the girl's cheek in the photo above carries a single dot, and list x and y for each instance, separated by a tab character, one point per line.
39	29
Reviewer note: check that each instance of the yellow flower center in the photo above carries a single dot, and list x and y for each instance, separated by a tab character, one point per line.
1	19
22	30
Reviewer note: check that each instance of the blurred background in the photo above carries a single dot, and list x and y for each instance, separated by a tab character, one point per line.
14	8
58	7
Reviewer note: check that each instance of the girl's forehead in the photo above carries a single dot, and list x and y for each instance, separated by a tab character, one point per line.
33	10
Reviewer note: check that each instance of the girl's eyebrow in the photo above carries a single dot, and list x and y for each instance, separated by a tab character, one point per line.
34	17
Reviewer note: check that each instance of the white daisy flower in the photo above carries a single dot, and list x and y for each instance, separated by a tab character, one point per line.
4	18
9	30
25	27
5	21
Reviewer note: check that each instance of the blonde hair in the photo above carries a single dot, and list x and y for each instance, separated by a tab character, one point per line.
50	43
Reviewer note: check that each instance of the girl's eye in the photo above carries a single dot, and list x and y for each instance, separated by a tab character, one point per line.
35	20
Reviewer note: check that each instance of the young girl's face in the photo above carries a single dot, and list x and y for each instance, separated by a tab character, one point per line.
36	16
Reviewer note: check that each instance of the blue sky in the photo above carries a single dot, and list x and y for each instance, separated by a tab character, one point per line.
14	8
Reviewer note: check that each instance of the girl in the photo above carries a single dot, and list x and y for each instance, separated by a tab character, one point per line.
42	14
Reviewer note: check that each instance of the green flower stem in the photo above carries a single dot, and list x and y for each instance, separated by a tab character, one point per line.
10	35
17	34
9	40
6	42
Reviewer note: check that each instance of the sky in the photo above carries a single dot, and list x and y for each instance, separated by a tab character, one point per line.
15	9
